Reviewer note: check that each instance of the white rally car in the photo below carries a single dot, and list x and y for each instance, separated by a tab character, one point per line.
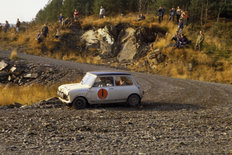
102	87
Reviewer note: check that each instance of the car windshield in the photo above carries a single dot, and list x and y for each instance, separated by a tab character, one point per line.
88	79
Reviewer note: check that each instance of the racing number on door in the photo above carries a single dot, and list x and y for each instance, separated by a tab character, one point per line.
102	94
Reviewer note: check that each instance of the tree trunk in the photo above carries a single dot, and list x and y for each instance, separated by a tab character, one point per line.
206	10
220	10
202	10
218	15
142	5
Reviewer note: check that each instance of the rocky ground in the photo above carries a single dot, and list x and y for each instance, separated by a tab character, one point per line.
177	117
21	72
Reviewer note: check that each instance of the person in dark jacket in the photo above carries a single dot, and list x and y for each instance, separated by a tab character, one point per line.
6	26
178	13
183	41
180	26
45	30
18	23
61	18
160	14
172	14
0	27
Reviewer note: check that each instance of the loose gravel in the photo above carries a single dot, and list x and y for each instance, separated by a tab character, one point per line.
177	117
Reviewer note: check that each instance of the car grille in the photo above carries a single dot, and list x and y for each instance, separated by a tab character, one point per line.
62	95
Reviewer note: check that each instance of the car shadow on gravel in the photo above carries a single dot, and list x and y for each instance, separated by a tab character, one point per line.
156	106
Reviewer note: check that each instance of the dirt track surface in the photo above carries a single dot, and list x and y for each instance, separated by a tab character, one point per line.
177	116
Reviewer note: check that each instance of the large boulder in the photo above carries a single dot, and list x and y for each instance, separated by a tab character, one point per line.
122	42
101	40
128	46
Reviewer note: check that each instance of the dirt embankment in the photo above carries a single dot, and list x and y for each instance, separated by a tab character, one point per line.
177	116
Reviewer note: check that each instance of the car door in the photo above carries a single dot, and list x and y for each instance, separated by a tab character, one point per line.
102	90
123	88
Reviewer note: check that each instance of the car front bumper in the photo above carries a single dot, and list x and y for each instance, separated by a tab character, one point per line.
63	97
64	101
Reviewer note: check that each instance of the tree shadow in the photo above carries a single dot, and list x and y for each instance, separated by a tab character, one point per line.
154	106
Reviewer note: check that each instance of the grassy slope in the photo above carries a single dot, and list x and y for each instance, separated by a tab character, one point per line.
25	94
213	65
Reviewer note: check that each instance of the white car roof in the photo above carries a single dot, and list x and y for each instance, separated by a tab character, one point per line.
100	73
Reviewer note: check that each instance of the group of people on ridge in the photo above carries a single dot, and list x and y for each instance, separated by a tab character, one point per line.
6	27
181	18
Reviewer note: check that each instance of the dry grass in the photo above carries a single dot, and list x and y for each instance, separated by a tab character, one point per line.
25	94
14	54
129	19
178	59
30	94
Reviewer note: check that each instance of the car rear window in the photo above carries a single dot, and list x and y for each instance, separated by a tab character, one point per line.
123	81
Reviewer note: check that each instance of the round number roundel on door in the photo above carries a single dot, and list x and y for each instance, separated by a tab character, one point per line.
102	94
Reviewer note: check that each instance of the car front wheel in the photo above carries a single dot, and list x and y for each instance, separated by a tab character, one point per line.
79	103
133	100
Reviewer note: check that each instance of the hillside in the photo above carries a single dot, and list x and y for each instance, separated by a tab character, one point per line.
121	41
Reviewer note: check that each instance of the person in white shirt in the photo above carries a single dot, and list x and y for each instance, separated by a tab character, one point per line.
102	12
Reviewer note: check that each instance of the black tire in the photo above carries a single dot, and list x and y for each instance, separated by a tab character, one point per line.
79	103
133	100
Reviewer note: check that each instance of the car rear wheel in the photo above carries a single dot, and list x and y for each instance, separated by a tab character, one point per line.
133	100
79	103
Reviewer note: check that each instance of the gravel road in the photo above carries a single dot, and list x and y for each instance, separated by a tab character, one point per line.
177	116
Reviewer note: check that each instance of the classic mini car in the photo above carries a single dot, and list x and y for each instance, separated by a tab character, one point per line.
102	87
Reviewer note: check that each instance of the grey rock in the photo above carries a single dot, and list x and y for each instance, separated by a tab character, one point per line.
15	105
3	65
13	69
31	75
129	46
9	78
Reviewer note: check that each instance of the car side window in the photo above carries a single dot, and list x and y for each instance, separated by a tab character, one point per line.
104	82
123	81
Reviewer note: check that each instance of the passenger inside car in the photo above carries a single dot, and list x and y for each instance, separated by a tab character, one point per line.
123	81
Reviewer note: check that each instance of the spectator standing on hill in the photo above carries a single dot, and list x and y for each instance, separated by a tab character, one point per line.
160	14
199	42
45	30
18	23
75	15
172	14
6	26
180	26
185	17
102	12
178	14
0	27
61	18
